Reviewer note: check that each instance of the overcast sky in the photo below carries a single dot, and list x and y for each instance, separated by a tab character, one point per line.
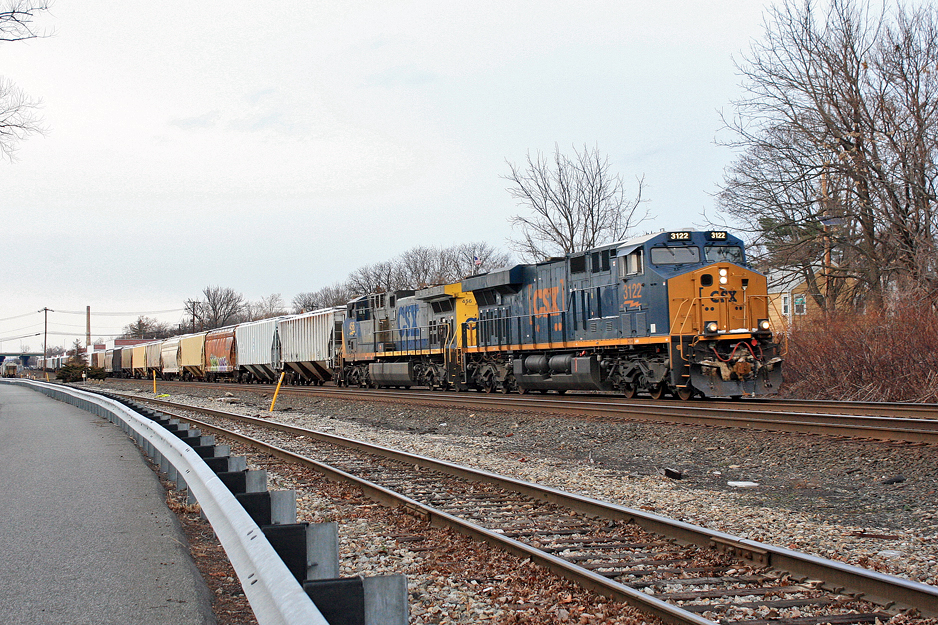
274	148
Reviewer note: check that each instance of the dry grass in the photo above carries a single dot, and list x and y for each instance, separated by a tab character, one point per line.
885	355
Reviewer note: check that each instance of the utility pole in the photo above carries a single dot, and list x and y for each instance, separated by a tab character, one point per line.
45	333
88	330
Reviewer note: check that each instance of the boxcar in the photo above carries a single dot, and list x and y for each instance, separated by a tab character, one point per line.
221	355
258	345
310	343
126	361
169	352
192	356
139	361
153	358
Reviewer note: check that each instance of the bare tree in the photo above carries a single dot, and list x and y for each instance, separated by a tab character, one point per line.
326	297
420	266
146	328
423	266
219	307
574	203
467	259
265	308
376	278
18	113
839	136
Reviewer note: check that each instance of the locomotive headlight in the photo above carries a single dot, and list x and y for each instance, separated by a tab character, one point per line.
723	279
763	325
723	272
711	327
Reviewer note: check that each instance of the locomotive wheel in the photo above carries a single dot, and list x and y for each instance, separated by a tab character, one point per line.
523	391
685	393
629	391
658	391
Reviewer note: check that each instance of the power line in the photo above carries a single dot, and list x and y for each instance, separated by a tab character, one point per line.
103	314
34	325
18	316
120	314
16	338
73	325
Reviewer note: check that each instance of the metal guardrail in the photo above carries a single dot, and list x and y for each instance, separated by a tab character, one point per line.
273	592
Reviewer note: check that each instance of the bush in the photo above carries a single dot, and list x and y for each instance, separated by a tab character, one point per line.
882	355
71	372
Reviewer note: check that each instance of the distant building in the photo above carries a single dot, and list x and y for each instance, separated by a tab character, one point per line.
790	297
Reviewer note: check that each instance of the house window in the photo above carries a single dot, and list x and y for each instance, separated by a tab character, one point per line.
786	305
801	306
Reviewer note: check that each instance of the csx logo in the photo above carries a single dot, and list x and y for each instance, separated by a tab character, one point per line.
407	321
720	296
544	301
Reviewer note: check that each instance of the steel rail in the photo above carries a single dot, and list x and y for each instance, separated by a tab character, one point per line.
879	588
839	407
749	417
747	414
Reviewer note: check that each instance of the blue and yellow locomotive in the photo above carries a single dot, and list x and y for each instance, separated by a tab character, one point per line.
670	313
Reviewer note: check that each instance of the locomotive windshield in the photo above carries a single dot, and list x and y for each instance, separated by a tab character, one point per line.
677	255
724	253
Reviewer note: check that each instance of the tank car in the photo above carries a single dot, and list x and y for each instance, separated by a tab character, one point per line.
673	312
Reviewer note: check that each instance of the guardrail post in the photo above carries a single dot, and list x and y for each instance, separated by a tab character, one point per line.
310	552
378	600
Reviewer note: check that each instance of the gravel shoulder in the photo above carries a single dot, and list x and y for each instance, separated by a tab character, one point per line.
824	496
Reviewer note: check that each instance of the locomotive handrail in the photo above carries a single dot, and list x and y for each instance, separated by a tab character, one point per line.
677	314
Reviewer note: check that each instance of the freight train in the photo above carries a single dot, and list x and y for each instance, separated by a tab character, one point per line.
673	313
12	367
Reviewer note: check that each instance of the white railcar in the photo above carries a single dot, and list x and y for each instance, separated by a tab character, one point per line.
311	342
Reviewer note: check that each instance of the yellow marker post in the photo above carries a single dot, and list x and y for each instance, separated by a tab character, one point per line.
276	392
154	381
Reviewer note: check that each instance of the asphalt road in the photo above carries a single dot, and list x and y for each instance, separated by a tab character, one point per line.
85	534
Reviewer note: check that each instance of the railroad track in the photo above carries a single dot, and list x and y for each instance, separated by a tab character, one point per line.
892	422
678	572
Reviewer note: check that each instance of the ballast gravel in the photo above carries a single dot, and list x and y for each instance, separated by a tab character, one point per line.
868	503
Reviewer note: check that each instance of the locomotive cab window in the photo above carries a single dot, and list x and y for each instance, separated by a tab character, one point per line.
675	255
724	253
633	264
578	264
